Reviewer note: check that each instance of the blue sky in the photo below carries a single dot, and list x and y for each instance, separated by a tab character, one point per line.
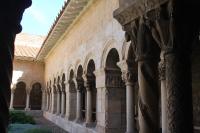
38	18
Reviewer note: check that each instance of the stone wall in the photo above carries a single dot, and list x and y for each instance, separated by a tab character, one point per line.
28	72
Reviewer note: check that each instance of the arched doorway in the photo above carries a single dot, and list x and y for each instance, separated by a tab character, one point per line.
115	95
20	96
36	97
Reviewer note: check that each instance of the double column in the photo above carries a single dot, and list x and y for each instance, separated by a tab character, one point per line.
88	86
78	105
58	110
130	79
63	100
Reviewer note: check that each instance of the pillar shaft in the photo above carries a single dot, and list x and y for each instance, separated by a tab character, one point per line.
130	127
78	111
58	103
63	104
52	102
148	97
162	70
11	100
27	101
179	93
129	76
47	102
89	106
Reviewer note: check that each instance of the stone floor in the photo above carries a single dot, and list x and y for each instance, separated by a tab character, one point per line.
44	123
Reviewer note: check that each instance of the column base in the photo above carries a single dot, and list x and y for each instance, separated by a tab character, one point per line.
11	108
27	109
62	115
90	124
78	120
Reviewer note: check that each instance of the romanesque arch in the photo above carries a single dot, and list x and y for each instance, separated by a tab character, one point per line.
36	96
19	101
115	94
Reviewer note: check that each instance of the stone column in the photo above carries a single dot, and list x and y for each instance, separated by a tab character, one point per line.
12	98
67	100
50	102
129	78
53	100
63	103
179	93
78	105
27	101
43	100
162	68
58	103
89	103
47	104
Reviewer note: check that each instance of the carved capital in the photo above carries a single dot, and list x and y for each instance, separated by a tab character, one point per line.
162	69
129	77
12	91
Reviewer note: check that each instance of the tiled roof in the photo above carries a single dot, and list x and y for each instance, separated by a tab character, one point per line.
26	51
27	46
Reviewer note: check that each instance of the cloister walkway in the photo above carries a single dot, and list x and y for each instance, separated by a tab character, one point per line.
44	123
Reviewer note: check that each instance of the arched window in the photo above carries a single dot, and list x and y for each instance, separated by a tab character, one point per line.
19	101
36	97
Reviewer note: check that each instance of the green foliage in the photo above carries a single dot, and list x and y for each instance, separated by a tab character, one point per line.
21	117
38	130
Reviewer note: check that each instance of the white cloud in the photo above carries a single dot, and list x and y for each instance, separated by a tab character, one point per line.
38	16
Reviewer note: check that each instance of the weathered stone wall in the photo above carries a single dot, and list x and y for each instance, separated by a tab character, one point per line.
29	72
87	39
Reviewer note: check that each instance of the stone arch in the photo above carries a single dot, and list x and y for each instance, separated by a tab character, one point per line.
109	45
71	67
89	57
29	87
19	101
127	50
115	93
36	96
77	64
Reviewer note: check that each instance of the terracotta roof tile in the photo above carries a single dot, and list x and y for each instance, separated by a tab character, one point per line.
26	51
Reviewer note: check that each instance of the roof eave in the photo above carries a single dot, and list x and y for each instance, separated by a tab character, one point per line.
69	13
